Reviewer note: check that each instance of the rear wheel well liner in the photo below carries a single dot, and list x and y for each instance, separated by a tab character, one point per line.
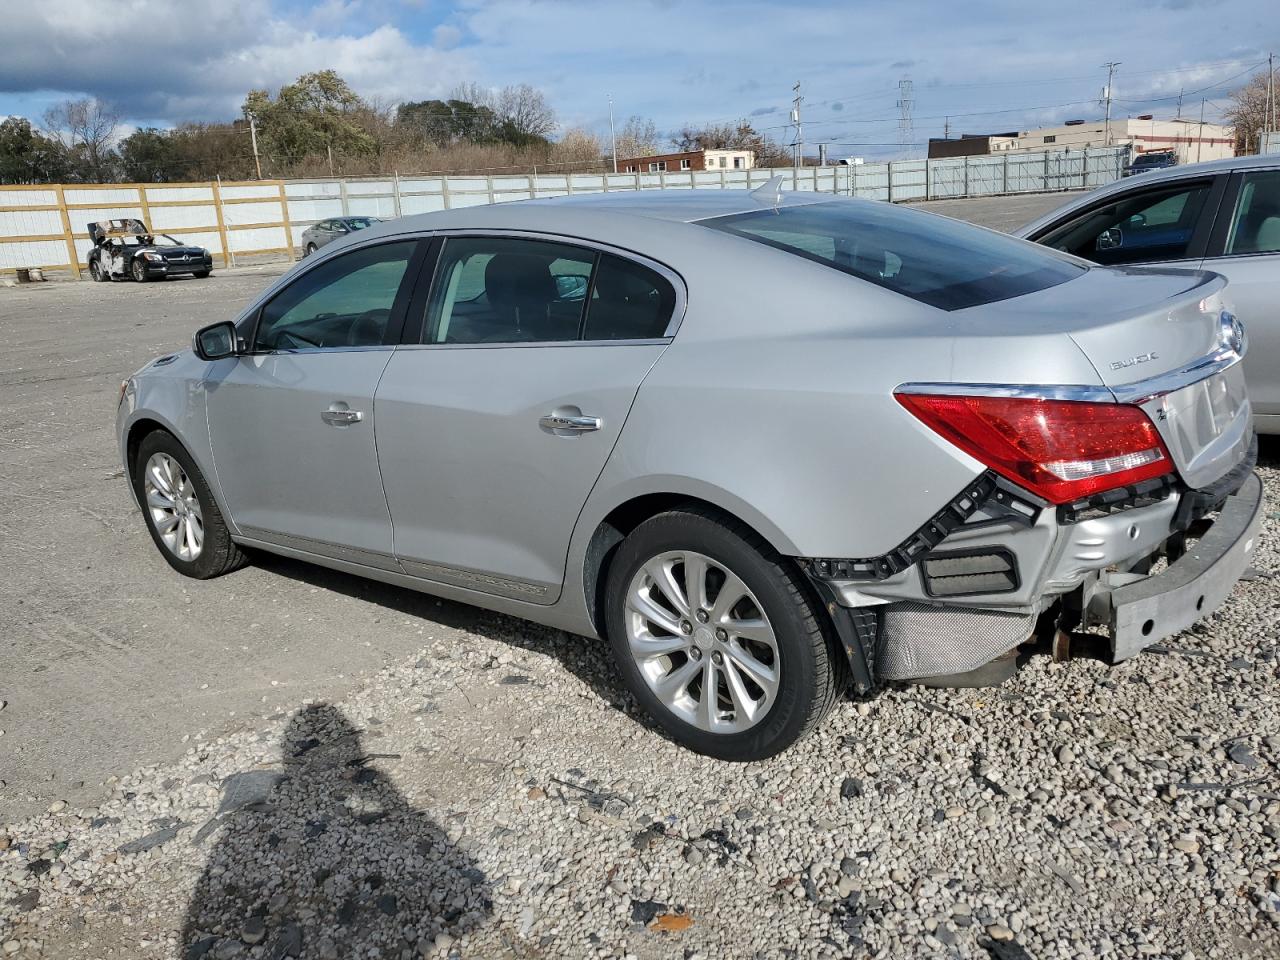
615	527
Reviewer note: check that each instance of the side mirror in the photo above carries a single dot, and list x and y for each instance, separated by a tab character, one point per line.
216	341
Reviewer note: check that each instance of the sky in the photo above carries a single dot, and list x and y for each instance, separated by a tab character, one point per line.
988	65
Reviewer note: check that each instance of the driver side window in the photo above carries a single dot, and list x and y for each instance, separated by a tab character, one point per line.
345	302
1145	226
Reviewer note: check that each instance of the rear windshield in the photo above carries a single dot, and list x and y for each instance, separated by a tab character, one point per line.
936	260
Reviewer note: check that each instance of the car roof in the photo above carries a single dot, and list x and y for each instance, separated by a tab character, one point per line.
1186	171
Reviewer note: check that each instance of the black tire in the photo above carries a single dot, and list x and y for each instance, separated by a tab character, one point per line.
813	671
219	554
311	248
202	274
138	270
95	272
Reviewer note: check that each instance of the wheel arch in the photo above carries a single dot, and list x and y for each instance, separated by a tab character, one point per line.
629	513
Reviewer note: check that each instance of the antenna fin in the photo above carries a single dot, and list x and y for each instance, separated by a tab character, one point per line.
770	191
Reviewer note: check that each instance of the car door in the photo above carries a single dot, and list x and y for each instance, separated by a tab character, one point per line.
494	426
1246	250
291	422
1167	222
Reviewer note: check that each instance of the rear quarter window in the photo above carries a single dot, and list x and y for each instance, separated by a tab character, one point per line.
935	260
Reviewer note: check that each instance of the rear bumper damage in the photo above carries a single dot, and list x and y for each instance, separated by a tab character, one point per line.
916	612
1139	610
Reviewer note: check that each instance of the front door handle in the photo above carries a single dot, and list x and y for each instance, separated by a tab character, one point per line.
341	418
577	424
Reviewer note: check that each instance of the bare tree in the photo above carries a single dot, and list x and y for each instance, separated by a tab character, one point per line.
638	138
87	128
525	114
578	148
1248	113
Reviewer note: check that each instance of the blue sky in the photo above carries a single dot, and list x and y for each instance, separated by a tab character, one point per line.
987	64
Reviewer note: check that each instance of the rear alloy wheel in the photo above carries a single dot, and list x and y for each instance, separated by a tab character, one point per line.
311	248
716	635
139	271
181	514
95	272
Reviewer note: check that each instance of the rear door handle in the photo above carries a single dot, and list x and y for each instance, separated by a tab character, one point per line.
340	418
578	424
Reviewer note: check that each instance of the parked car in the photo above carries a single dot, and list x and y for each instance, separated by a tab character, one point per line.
1147	162
335	228
128	248
761	442
1222	216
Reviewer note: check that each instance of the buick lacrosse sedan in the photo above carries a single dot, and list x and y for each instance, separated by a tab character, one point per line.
766	446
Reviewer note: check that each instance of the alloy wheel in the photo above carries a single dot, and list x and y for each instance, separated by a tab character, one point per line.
702	642
174	507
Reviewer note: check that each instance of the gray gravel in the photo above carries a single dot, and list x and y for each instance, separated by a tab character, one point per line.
487	790
497	795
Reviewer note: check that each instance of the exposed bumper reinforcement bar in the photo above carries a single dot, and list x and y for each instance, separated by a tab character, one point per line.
1193	586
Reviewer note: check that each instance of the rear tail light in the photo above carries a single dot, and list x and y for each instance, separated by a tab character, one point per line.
1062	450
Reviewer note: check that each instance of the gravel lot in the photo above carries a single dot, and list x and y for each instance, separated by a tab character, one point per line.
291	762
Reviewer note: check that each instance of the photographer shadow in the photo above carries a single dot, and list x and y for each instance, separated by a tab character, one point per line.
327	859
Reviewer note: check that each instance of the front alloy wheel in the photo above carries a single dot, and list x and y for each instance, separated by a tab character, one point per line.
182	516
702	642
174	507
718	637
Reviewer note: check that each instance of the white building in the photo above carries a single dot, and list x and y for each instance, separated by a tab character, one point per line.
1193	141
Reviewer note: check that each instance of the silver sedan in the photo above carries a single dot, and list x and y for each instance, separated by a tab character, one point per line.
768	446
324	232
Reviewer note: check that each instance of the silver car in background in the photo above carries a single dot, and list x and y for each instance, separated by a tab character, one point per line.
765	444
1222	216
324	232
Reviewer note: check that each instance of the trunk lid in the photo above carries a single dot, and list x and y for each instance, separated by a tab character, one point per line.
1157	338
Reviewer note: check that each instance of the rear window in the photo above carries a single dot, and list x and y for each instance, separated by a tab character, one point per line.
936	260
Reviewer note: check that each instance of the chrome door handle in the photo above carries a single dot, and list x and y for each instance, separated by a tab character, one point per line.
554	421
340	418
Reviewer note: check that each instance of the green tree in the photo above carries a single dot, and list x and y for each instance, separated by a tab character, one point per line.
151	156
27	156
316	112
447	121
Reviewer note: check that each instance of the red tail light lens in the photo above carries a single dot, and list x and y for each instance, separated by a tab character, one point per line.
1062	450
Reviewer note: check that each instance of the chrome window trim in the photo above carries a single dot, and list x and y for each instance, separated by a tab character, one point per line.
1157	386
668	274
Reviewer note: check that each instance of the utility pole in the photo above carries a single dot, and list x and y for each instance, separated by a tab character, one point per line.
253	137
329	148
795	118
613	137
1200	136
1181	90
1271	94
1106	94
946	129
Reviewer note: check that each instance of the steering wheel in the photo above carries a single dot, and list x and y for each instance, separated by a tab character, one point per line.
368	328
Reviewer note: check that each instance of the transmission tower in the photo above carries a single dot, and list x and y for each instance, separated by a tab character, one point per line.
906	135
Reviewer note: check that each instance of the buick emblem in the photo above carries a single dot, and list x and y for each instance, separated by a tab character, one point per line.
1232	333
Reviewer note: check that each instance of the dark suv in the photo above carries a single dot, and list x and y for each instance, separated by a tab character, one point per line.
1146	162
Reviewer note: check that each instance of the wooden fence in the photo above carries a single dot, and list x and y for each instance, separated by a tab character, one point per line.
47	225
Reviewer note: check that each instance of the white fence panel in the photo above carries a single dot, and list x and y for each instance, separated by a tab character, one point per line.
36	253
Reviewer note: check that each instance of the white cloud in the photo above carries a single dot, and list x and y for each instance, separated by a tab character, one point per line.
155	67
